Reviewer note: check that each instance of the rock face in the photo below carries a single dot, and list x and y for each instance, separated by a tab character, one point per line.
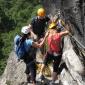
14	72
72	53
74	73
71	10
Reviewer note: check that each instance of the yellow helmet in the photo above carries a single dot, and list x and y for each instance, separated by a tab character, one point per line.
41	12
52	25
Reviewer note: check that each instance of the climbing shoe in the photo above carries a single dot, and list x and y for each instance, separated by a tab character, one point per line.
29	79
42	77
52	83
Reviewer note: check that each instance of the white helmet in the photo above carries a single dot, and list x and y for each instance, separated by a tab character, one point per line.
25	30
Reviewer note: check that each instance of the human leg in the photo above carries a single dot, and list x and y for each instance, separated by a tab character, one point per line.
56	62
47	59
32	69
28	74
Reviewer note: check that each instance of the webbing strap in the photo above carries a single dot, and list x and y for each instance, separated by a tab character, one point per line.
77	41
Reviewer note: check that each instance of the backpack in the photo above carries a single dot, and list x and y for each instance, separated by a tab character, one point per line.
20	49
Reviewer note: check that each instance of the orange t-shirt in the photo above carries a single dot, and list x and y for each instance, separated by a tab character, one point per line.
54	43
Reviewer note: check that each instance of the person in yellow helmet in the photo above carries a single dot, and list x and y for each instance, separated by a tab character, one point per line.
39	22
38	25
54	52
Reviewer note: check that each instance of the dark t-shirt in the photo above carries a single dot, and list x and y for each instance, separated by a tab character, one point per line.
38	25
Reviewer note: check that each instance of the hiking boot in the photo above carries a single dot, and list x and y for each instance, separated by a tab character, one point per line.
57	82
29	79
42	77
52	83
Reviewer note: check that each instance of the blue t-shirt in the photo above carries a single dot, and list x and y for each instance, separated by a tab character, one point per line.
27	43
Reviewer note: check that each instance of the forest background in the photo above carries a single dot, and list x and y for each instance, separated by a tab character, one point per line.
13	15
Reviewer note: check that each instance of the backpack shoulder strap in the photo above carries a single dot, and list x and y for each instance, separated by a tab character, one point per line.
17	39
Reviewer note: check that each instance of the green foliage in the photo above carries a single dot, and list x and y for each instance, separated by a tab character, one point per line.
13	15
8	82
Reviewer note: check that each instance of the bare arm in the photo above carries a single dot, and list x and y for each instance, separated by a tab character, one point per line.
32	33
66	31
39	45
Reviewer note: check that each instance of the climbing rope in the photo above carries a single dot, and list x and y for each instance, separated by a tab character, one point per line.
79	48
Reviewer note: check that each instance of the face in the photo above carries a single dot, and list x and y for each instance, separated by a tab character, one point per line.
40	17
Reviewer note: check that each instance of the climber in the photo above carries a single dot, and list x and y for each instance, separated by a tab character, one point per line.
54	52
39	22
28	44
38	25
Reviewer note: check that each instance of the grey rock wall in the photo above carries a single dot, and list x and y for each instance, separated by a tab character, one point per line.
73	11
14	72
75	72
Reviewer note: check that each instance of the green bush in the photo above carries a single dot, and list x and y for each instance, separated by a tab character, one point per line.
13	15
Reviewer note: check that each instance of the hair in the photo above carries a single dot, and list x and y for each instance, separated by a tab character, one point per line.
24	37
54	27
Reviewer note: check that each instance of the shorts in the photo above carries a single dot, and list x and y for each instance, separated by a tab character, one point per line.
55	59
